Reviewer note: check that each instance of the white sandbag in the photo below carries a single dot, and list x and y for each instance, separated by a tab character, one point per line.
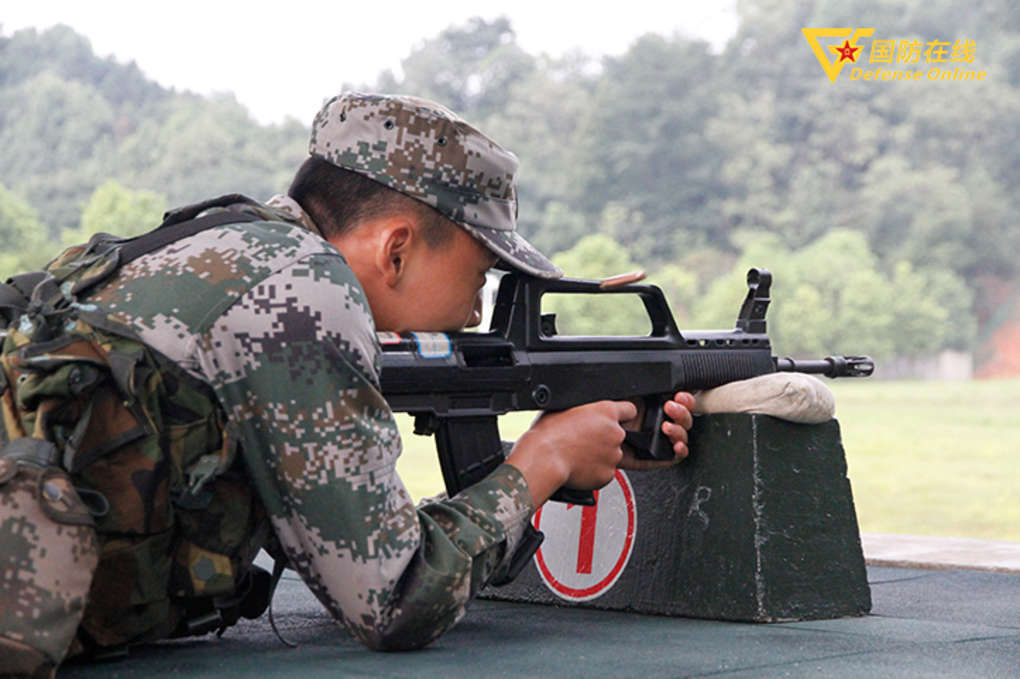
791	396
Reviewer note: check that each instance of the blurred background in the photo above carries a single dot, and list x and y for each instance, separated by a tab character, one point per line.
689	141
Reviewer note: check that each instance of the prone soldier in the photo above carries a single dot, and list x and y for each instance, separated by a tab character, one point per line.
245	408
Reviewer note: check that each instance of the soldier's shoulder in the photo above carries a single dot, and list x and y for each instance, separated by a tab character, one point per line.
275	228
195	279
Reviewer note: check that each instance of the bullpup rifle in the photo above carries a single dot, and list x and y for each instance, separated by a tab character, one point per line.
456	385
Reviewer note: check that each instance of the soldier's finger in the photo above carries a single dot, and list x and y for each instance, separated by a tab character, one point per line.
686	399
674	432
623	410
680	450
679	413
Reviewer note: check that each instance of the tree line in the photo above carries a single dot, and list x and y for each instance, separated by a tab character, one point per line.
885	209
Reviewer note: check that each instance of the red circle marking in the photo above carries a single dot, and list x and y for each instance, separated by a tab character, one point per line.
620	563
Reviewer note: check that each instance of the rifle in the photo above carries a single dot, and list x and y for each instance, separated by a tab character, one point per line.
456	385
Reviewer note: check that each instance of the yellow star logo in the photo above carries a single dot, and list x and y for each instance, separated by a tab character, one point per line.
847	52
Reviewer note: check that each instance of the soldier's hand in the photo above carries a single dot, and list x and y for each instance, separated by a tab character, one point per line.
579	448
678	411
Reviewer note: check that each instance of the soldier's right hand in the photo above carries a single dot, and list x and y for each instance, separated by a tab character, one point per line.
579	448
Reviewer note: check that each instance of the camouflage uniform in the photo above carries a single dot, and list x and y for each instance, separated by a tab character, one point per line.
271	317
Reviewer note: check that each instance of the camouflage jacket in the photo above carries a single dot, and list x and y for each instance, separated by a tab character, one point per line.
270	315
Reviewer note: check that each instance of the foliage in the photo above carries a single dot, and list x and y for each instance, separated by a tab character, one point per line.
469	68
596	256
830	297
918	169
22	236
694	162
69	121
119	211
645	128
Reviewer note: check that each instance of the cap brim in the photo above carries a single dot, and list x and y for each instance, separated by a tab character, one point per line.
515	251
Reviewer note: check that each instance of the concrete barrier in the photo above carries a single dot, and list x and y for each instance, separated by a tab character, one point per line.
758	524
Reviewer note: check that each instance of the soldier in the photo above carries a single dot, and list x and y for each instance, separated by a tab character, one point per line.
391	224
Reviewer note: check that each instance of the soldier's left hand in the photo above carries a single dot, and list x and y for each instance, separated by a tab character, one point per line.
678	422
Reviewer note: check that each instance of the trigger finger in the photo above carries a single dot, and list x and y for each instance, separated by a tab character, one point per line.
625	410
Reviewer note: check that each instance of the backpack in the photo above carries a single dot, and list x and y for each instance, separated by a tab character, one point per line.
125	512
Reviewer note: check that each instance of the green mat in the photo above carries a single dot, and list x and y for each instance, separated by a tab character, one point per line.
924	624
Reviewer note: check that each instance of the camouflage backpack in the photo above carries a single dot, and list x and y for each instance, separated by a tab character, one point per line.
124	513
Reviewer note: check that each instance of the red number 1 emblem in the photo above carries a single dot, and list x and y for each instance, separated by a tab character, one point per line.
585	551
586	541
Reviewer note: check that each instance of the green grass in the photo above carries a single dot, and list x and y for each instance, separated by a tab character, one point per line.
924	458
934	458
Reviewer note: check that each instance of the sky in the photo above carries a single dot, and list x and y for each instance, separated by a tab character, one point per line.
285	61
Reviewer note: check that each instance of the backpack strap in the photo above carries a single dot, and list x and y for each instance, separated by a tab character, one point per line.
186	212
169	232
15	293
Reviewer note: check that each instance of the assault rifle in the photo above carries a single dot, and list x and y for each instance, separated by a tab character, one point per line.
457	385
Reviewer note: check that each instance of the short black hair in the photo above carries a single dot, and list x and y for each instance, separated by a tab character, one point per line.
338	200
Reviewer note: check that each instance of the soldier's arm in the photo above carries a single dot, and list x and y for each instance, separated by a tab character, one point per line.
294	364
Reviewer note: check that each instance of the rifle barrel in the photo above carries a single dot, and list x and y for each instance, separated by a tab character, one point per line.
830	366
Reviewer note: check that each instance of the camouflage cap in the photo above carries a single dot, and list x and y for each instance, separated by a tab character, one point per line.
428	152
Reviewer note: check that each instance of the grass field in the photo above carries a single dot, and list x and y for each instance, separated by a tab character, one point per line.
924	458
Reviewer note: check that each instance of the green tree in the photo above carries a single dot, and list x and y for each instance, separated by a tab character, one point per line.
596	257
680	285
68	55
831	296
23	241
56	135
556	229
683	156
924	170
205	147
69	120
645	146
117	210
470	68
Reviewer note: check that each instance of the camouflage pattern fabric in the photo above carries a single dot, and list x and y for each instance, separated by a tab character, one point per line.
271	317
48	552
175	520
293	211
426	151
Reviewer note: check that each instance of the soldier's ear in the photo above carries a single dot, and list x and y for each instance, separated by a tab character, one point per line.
395	244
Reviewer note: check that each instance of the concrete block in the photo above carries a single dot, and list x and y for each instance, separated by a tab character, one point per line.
758	524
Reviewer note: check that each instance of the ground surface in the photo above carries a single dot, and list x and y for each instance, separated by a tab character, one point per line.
925	623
